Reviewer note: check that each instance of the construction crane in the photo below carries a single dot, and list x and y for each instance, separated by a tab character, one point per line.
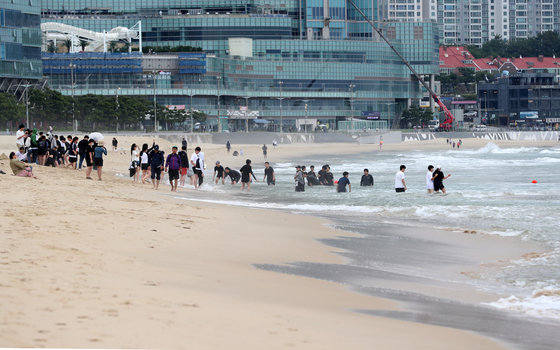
448	122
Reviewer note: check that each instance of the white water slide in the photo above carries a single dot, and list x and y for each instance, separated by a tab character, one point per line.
54	32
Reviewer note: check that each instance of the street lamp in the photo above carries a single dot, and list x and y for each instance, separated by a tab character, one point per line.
156	129
219	79
117	110
281	98
305	125
352	86
191	111
26	91
72	67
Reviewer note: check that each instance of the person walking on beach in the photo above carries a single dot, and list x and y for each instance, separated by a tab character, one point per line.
438	178
269	174
197	162
380	143
234	175
184	143
246	173
429	179
400	183
367	179
156	166
218	173
228	146
144	162
115	144
342	182
98	153
184	163
265	150
172	167
300	182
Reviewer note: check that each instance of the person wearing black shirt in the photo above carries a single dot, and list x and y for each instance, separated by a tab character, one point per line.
219	173
184	157
438	180
246	173
89	158
312	177
328	179
367	179
233	175
269	174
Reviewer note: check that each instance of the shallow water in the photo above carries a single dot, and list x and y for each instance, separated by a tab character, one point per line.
490	191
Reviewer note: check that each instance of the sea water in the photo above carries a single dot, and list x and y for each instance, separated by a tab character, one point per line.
491	191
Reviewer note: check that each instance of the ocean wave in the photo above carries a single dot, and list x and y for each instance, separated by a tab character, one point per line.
543	302
495	149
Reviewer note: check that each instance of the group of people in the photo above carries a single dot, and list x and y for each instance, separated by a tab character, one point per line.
325	177
434	179
454	143
48	149
151	162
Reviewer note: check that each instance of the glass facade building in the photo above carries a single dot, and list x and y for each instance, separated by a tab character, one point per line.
311	59
20	43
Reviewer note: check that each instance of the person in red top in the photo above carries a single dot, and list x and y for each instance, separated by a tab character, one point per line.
172	166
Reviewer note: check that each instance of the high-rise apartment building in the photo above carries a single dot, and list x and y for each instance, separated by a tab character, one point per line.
473	22
20	43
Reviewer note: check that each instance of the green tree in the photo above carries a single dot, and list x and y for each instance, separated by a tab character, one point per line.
52	47
415	116
68	44
10	110
84	44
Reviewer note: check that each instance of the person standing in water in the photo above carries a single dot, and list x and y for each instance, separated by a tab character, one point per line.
400	183
367	179
269	174
429	179
197	162
246	173
300	181
342	182
219	173
438	178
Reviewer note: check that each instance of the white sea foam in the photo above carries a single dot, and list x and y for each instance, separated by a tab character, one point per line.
542	303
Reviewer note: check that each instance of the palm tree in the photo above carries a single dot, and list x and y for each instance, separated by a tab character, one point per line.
52	47
84	44
68	44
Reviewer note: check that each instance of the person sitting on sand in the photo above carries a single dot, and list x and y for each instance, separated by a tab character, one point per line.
19	168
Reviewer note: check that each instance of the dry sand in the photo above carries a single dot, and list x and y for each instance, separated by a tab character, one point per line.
112	264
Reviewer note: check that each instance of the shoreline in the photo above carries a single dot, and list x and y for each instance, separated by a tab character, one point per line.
224	291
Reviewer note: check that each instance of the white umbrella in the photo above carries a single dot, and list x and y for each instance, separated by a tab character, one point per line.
97	136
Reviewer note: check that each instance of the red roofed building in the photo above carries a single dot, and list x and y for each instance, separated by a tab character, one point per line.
451	58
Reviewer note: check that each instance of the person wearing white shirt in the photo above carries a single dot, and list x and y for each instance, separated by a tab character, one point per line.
21	154
429	179
197	162
20	136
400	183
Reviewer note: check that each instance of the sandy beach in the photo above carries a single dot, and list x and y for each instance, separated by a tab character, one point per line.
115	264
